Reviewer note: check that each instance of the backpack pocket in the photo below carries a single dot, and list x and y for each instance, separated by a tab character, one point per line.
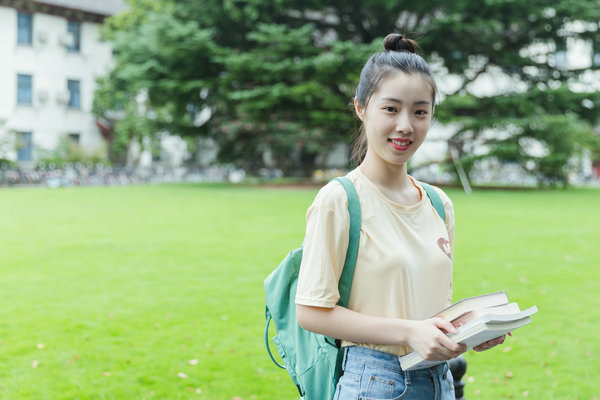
288	365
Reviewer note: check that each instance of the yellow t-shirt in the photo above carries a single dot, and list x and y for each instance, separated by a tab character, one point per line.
404	264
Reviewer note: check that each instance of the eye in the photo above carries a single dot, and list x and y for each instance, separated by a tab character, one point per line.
390	109
421	112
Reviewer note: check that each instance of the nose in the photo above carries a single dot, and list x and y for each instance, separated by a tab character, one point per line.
403	122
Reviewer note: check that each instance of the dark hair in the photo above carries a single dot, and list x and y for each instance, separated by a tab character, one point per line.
399	55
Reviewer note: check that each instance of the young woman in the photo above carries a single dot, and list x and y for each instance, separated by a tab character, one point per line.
403	273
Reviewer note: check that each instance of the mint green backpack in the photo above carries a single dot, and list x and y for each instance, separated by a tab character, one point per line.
314	361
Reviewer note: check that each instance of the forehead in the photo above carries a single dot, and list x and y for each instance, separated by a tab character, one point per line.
404	87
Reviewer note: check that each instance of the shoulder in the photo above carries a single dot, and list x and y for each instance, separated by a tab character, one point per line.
446	202
329	209
449	210
444	197
331	196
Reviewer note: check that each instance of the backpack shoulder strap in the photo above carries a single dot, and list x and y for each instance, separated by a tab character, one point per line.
354	236
434	197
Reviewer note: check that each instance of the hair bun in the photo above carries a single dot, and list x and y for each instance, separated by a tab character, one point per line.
396	42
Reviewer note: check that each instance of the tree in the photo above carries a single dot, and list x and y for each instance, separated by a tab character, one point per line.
290	96
165	73
539	129
280	74
545	104
523	44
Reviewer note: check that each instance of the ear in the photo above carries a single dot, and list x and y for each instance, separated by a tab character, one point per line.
359	110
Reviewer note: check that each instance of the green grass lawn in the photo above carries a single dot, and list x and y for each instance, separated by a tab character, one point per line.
155	292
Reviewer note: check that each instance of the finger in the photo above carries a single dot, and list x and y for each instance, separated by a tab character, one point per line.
445	349
490	343
453	354
453	348
480	348
497	341
445	325
484	346
443	354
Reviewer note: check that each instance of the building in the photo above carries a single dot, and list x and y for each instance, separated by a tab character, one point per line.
50	55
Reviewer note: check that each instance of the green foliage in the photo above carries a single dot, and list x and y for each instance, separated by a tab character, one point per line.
6	163
525	42
559	134
289	94
280	75
166	69
555	124
68	152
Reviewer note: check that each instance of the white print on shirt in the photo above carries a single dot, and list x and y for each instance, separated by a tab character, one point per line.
445	246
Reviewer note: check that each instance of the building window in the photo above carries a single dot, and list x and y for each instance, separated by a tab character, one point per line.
74	29
74	95
24	146
73	139
24	89
24	28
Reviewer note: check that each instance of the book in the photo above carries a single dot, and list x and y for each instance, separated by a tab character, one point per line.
491	326
510	308
473	303
475	324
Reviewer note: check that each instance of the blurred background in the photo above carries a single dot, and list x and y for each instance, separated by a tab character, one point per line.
113	91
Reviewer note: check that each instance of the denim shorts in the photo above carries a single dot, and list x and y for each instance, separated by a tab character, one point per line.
374	375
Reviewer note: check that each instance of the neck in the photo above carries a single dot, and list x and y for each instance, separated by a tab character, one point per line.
391	179
390	176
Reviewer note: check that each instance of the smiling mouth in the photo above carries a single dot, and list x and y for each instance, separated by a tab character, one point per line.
400	144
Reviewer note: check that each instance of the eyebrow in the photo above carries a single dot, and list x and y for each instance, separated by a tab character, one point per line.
395	100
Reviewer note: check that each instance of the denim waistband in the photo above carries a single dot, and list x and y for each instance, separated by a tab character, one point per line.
389	361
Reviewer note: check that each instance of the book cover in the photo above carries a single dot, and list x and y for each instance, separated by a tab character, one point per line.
473	303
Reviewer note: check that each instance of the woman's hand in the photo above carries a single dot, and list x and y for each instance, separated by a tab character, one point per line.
491	343
428	338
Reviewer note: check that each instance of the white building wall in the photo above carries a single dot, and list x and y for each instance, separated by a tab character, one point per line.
50	64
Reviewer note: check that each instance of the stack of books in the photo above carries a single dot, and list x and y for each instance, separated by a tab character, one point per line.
477	320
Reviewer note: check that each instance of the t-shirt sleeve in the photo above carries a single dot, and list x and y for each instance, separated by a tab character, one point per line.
325	245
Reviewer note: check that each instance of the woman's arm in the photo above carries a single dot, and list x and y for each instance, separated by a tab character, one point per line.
428	337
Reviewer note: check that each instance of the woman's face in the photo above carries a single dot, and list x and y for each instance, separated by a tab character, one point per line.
397	117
